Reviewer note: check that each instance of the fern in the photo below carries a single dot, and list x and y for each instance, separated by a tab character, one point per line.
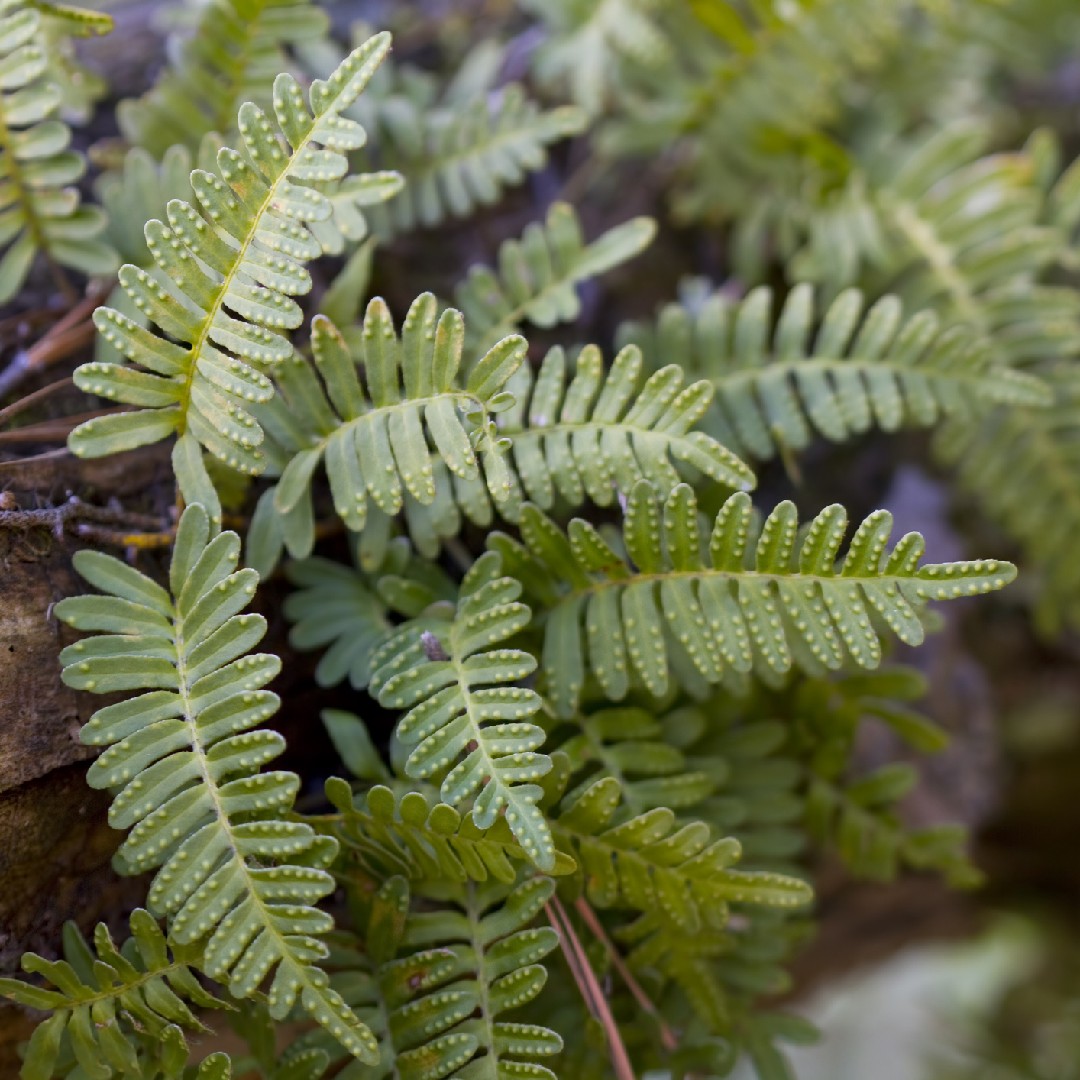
651	863
454	685
537	274
951	230
587	40
224	302
235	51
778	602
405	836
459	158
102	1000
349	612
862	367
39	204
232	871
439	982
413	394
601	434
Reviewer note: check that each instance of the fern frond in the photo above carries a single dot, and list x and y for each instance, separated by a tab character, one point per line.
781	379
233	872
1023	465
588	40
437	981
458	159
101	998
233	55
455	684
640	751
223	302
597	434
39	203
374	442
402	835
781	601
650	862
949	229
349	613
859	818
537	275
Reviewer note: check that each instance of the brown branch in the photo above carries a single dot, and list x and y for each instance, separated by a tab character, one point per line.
121	528
32	399
72	332
590	988
588	916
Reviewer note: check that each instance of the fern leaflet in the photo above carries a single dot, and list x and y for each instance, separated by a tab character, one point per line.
232	871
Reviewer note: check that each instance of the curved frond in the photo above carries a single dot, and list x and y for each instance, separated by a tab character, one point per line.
104	1000
40	208
233	55
467	723
781	378
219	304
729	602
232	871
651	863
374	440
537	275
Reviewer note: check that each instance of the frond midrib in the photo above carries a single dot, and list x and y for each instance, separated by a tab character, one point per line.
635	578
225	285
209	785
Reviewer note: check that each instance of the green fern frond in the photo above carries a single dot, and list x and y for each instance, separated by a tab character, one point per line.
436	982
233	55
779	601
537	275
640	751
219	305
588	40
413	395
651	862
80	87
349	613
467	723
952	230
39	203
456	160
402	835
1023	465
233	872
783	378
101	999
859	818
597	434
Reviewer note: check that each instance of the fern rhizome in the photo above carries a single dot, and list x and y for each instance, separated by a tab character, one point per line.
595	707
